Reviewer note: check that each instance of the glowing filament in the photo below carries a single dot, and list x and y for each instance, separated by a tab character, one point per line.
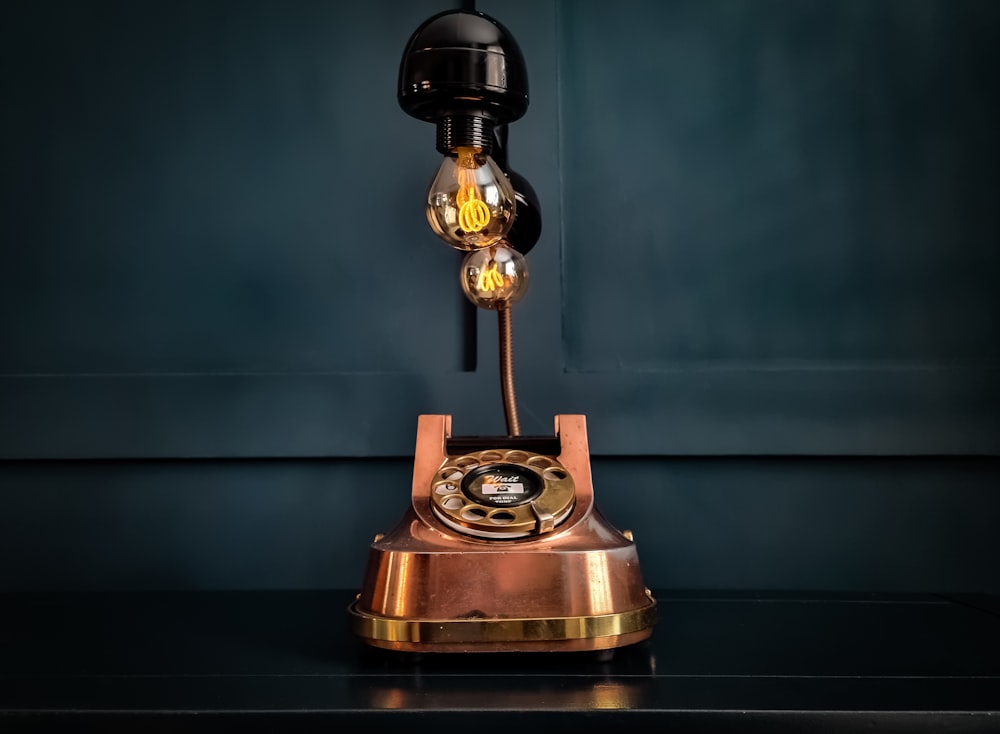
489	279
473	214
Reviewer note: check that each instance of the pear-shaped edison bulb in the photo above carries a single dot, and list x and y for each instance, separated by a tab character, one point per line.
470	203
494	277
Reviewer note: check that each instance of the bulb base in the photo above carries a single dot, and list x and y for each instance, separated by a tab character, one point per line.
464	131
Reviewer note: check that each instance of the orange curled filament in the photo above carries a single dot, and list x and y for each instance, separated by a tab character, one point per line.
489	279
473	213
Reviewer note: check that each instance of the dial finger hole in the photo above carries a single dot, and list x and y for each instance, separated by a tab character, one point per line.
446	488
554	474
452	503
503	517
450	473
517	457
473	513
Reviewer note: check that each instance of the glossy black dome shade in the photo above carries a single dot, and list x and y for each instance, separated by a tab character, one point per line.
464	71
527	227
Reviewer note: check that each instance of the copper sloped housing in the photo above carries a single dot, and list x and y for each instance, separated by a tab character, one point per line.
429	588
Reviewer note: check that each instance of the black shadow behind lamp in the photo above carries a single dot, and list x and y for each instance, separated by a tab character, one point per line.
502	548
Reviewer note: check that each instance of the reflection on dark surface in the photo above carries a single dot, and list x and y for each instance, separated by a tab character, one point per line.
512	681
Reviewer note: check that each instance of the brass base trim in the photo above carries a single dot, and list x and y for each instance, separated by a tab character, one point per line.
494	631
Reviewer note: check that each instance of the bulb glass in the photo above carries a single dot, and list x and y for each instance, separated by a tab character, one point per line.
495	277
470	203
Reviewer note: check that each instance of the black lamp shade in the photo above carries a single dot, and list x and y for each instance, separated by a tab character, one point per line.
464	71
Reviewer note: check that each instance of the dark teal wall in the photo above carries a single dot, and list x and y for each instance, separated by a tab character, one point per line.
761	523
767	276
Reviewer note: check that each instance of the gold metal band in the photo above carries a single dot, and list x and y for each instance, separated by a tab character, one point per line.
469	631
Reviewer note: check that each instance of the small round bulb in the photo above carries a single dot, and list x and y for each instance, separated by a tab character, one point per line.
495	277
470	203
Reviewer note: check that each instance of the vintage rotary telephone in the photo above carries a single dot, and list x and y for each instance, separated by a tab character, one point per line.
502	548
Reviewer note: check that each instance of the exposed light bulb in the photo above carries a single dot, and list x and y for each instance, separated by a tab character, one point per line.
470	203
494	277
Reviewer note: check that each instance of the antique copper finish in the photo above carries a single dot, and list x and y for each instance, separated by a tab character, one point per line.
505	332
577	586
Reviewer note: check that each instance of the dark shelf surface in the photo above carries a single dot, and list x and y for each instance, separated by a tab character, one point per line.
722	661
